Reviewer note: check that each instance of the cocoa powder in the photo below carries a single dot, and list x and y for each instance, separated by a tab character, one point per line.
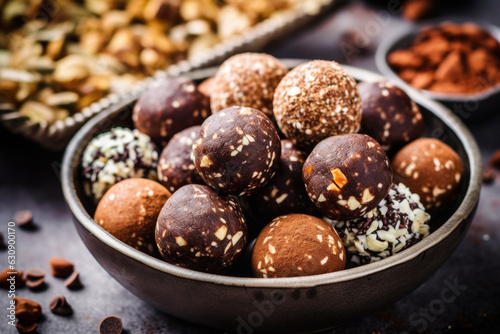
450	58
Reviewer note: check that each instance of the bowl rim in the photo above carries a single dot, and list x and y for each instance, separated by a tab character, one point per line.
388	43
463	211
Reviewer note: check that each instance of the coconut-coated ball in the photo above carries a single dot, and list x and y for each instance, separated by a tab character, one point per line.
346	176
317	100
201	230
237	151
297	245
129	209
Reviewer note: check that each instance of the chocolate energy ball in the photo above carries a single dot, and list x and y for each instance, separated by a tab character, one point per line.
317	100
169	107
297	245
389	115
247	80
114	156
398	222
201	230
346	176
175	167
237	151
129	209
431	169
285	193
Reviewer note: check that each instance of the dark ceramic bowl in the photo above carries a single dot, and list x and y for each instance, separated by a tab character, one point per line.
282	305
466	106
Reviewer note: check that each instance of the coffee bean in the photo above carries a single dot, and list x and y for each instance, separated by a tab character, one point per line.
73	282
58	305
34	274
23	218
27	311
26	328
36	284
61	267
111	325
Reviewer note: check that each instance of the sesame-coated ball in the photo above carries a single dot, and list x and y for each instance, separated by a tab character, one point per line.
297	245
169	107
176	167
346	176
431	169
129	209
389	115
317	100
247	80
237	151
201	230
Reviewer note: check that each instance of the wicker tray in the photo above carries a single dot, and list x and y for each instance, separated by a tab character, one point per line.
56	136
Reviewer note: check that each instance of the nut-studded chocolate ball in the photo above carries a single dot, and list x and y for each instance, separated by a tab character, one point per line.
317	100
285	193
176	167
431	169
346	176
169	107
398	222
389	115
129	209
247	80
200	230
297	245
237	151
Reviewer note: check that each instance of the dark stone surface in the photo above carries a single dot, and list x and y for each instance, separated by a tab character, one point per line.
29	180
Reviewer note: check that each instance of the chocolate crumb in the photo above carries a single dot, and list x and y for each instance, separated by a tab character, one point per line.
26	328
27	311
73	282
33	274
23	218
488	175
59	305
495	159
61	267
6	274
111	325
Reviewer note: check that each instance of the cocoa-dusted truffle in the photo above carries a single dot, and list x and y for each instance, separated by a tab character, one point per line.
237	151
200	230
317	100
129	209
175	167
114	156
389	115
285	193
247	80
169	107
297	245
346	176
398	222
431	169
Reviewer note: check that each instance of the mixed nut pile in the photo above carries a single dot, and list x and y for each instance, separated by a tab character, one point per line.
317	171
59	56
